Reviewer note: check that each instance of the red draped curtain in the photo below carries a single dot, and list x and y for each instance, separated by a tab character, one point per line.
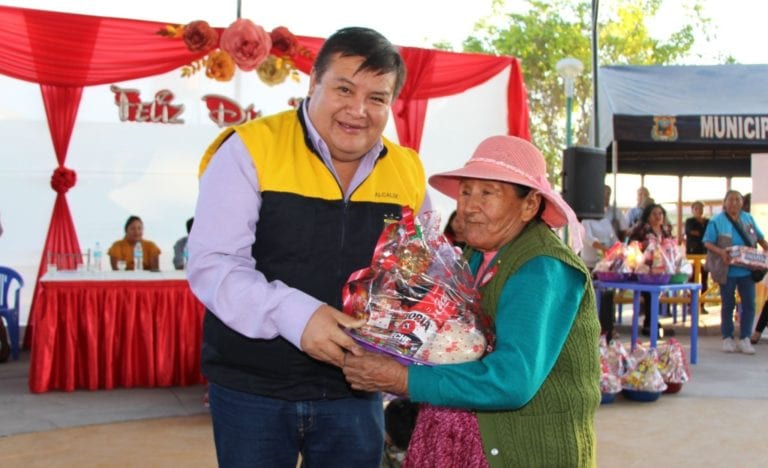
64	52
61	104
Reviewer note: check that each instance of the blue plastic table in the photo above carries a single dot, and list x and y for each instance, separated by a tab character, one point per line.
655	290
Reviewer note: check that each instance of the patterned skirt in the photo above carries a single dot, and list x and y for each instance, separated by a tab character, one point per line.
445	438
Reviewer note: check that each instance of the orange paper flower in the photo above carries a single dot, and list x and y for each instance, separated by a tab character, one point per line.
247	43
220	66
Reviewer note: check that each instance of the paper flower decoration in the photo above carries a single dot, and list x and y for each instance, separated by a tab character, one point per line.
242	45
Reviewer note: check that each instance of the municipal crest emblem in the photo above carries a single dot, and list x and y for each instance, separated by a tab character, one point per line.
664	128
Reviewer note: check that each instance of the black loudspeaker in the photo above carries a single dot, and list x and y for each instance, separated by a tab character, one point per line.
584	180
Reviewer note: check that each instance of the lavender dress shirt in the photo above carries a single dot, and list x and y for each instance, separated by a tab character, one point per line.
222	272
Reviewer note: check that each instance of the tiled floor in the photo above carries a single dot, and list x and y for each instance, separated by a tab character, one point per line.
22	411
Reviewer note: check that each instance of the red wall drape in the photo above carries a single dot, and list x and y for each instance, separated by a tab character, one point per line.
61	105
64	52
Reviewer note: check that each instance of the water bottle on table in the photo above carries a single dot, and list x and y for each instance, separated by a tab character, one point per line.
97	257
138	257
185	257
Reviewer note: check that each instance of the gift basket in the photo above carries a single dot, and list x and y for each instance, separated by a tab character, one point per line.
610	380
673	365
619	262
616	356
643	381
417	297
748	257
662	260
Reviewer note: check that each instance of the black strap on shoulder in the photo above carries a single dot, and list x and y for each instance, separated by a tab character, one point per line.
740	230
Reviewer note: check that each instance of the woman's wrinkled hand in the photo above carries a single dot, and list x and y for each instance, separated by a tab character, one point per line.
375	373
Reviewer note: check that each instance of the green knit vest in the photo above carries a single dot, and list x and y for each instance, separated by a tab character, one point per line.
556	428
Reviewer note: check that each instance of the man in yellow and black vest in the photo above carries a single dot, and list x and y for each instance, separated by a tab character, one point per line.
289	206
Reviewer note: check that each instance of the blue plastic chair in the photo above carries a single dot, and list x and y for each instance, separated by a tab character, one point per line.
10	314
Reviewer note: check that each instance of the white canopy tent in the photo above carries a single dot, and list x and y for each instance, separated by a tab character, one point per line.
687	121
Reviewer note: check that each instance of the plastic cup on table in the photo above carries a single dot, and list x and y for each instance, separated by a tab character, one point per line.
121	264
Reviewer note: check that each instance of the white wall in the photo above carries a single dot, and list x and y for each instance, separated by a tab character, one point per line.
759	207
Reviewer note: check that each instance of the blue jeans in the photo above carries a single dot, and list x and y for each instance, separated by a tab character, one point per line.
255	431
746	287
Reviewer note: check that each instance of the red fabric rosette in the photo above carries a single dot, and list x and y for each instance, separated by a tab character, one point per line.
63	179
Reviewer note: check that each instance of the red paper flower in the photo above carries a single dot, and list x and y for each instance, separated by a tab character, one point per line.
199	36
247	43
283	41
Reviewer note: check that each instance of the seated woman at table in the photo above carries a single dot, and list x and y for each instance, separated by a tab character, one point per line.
531	401
653	224
123	248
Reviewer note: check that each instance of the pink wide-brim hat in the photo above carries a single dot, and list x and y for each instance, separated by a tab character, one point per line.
511	159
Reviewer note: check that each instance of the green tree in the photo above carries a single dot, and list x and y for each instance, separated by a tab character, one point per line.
552	30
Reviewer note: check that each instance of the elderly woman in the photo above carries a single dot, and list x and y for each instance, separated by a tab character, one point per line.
122	249
531	401
733	226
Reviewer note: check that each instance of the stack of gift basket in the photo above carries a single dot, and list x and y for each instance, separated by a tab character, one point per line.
661	262
643	374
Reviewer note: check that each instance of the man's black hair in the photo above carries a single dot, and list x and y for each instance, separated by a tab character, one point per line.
380	56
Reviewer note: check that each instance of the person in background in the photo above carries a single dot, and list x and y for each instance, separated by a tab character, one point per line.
762	321
180	246
123	249
747	204
289	206
399	419
653	224
531	401
1	229
694	233
454	231
720	234
614	215
599	236
636	212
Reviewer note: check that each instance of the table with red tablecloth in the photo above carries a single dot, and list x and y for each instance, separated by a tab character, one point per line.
105	330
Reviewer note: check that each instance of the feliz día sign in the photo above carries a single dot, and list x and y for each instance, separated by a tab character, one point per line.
160	110
221	110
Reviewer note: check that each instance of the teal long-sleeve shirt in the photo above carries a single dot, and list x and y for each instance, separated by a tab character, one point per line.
536	310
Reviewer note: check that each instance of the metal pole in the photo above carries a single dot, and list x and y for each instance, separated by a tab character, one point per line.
568	109
595	65
680	210
569	68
